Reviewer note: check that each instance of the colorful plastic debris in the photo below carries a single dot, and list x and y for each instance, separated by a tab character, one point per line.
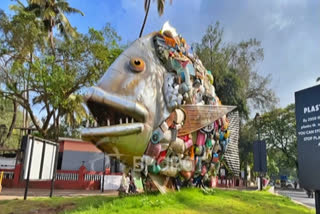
179	126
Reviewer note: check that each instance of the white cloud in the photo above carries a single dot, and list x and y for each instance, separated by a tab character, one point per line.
278	21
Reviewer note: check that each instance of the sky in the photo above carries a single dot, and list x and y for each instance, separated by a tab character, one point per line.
289	30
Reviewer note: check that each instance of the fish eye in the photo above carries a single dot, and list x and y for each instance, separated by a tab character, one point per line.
137	64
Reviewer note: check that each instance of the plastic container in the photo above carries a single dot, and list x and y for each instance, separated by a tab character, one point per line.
203	170
186	175
178	146
161	156
199	150
227	134
153	150
215	158
154	169
208	142
169	171
188	143
179	116
186	165
201	137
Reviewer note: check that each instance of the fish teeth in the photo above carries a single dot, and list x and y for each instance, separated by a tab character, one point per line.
132	120
95	124
87	124
120	121
108	122
127	120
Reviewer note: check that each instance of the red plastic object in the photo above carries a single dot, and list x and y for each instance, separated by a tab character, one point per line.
153	150
162	156
201	139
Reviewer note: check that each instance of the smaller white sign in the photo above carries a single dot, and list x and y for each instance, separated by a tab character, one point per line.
222	172
242	174
7	163
111	182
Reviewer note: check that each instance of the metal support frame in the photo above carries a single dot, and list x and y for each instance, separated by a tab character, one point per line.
41	164
257	117
104	172
317	199
29	169
54	171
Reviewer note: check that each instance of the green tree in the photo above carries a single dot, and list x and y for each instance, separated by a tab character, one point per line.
10	118
247	136
234	69
160	5
54	82
273	167
21	37
52	14
278	128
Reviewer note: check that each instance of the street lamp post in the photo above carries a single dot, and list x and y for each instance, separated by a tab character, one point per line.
257	120
104	171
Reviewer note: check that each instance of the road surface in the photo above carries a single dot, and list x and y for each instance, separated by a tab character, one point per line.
298	195
17	193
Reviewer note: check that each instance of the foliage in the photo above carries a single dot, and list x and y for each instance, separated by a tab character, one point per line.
247	136
185	201
53	81
233	67
6	114
52	14
160	7
278	129
237	82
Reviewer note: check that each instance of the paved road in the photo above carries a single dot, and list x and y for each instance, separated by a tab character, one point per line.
17	193
299	196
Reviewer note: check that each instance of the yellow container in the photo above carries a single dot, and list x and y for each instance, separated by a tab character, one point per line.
1	177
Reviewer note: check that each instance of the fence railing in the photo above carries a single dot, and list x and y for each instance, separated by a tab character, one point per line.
8	174
67	176
92	177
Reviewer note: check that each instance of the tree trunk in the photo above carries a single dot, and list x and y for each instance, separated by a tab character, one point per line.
27	88
145	18
14	118
50	35
57	129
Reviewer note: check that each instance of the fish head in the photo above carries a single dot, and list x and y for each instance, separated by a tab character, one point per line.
127	102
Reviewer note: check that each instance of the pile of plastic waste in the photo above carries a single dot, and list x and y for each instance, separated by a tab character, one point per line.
195	156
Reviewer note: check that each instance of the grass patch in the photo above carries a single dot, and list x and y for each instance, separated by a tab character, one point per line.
186	201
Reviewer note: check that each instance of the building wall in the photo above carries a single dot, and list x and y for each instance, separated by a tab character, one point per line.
75	153
93	161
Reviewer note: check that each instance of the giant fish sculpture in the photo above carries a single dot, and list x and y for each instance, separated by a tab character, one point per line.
156	109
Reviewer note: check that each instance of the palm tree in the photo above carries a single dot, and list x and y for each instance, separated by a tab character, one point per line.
75	112
160	4
52	13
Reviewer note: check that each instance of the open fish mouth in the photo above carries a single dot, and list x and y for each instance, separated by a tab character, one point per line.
114	115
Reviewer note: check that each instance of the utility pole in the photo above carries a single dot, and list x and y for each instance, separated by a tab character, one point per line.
317	198
257	119
104	171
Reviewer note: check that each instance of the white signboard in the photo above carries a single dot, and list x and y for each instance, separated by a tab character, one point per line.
222	172
112	182
242	174
42	155
7	163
